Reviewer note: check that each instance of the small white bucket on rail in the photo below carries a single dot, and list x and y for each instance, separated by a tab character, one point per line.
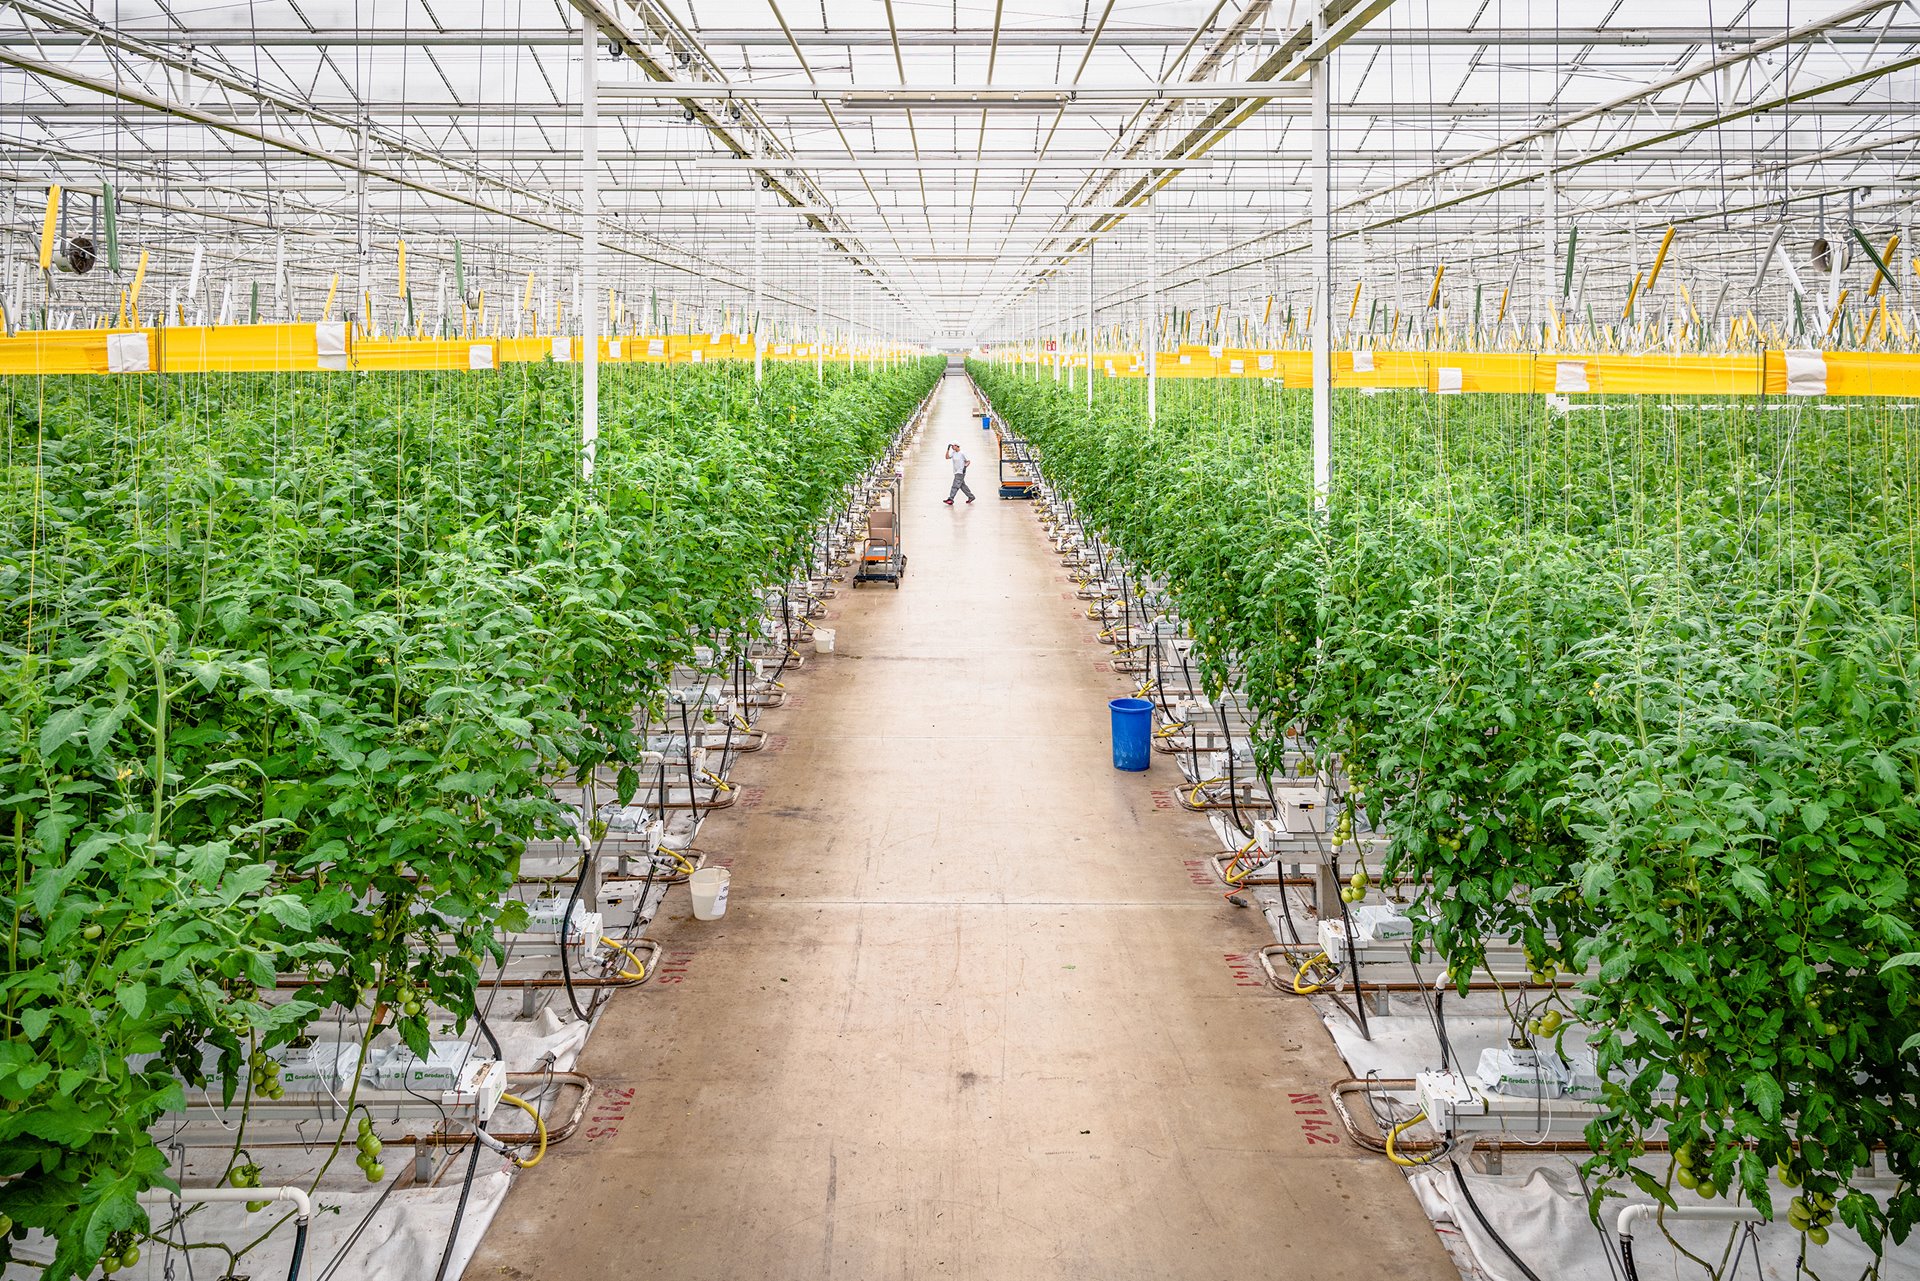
823	638
709	886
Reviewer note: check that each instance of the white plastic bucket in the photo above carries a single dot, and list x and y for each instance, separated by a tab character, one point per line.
823	638
709	886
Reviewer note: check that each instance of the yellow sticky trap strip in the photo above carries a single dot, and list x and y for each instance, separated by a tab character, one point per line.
47	226
1873	290
332	289
139	278
400	289
1632	293
1504	291
526	299
1352	310
1660	259
1433	295
1839	308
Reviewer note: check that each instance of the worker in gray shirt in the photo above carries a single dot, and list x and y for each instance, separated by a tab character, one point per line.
960	462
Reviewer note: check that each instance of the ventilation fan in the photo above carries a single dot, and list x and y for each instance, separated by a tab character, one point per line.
75	255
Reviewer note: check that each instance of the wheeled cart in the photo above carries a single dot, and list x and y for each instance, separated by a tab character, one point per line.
881	559
1018	476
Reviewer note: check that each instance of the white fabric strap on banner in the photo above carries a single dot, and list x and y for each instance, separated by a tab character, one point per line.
1570	375
1266	363
1362	362
330	342
1215	352
480	356
1236	366
1806	373
656	346
1451	381
562	347
129	354
613	349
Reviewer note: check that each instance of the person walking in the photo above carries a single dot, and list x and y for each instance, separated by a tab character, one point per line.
960	463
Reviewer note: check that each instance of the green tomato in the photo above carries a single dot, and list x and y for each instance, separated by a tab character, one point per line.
1358	880
367	1143
6	1224
1817	1235
1684	1177
412	1007
376	1172
90	932
130	1256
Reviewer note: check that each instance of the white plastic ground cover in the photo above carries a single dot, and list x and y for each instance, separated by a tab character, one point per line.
1536	1203
1537	1206
404	1238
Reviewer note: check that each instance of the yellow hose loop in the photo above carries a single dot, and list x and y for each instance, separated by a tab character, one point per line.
1193	795
539	1128
639	970
1235	875
1300	975
719	784
686	864
1396	1132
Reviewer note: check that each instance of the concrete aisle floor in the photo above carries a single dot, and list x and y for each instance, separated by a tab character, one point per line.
975	1010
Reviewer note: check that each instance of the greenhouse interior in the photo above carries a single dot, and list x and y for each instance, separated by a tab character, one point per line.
530	754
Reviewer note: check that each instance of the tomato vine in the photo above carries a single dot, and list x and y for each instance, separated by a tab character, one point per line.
290	662
1637	685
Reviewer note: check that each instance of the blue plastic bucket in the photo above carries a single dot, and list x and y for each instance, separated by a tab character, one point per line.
1132	732
986	422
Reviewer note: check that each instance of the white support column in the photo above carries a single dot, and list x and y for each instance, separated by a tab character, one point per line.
1322	215
759	276
358	311
1150	339
1089	324
589	246
1551	271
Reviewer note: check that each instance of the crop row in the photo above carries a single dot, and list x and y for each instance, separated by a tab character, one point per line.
289	665
1637	683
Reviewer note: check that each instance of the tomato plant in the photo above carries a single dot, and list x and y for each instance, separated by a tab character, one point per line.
291	661
1634	685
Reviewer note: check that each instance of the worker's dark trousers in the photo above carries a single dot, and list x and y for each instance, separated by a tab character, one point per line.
959	487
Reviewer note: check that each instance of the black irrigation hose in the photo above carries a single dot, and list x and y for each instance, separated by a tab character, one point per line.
473	1156
1525	1271
566	928
1233	783
299	1249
